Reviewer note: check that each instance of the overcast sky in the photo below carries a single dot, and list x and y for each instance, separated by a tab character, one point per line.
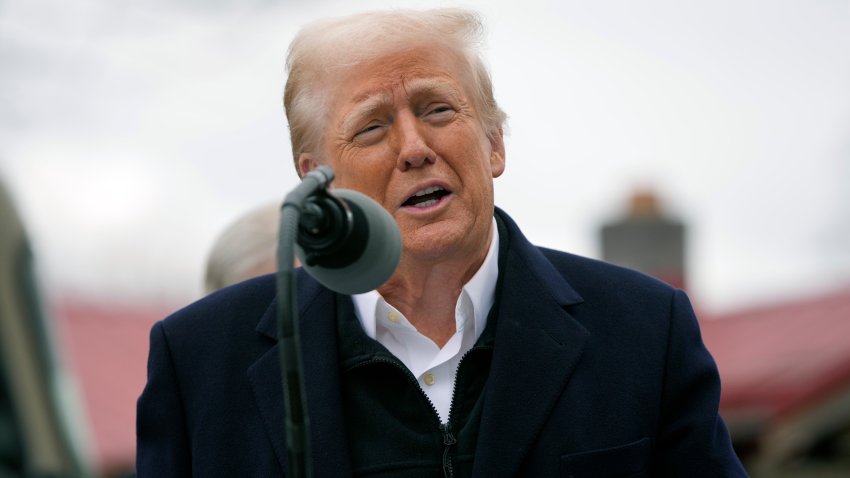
131	133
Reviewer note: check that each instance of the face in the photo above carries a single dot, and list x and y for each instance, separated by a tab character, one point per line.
404	130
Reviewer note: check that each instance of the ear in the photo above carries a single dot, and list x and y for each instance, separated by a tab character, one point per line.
306	163
497	153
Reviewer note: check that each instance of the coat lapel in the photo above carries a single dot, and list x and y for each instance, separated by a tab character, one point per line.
317	325
537	347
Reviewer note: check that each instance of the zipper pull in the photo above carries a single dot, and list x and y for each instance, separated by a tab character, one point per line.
448	440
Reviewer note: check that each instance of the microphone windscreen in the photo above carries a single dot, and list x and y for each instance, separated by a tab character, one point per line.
376	263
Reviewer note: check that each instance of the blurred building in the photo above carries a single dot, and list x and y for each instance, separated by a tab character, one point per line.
106	342
786	384
785	367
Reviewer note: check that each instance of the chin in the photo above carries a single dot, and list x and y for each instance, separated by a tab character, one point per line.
429	246
446	238
428	252
434	244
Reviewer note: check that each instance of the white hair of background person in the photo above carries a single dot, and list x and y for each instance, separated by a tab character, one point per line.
246	248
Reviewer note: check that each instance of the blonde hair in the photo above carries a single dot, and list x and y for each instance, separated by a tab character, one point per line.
336	44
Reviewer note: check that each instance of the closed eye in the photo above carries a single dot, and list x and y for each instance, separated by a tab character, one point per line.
369	128
440	109
439	112
365	132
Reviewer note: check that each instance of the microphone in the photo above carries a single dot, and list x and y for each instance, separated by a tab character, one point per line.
348	243
346	240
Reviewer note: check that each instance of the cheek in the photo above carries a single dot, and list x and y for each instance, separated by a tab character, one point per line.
362	174
474	160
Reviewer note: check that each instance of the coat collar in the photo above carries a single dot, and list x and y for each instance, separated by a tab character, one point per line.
538	344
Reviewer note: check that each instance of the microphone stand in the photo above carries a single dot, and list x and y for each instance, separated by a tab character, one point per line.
289	342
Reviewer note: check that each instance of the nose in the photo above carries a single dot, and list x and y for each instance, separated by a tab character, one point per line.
413	149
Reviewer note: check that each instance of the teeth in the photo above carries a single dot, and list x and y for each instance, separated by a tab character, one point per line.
430	190
427	203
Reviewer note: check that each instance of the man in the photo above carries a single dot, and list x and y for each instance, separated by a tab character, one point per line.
482	355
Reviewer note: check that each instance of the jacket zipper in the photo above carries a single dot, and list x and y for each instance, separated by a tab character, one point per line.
448	441
445	428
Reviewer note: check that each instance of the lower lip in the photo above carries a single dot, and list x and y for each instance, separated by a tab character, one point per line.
427	209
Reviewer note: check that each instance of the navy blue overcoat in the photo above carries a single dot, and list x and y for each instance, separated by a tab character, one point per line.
597	371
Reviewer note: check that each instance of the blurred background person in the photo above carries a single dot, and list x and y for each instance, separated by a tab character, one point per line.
246	248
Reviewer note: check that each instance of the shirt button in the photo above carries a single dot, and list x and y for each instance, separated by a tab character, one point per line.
429	378
394	318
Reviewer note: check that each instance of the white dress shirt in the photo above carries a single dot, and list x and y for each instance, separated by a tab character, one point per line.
433	367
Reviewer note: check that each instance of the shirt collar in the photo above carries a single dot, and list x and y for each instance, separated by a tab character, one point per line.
481	290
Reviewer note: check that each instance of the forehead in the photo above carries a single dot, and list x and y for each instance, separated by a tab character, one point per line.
415	70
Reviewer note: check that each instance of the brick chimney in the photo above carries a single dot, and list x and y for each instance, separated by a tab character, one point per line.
647	240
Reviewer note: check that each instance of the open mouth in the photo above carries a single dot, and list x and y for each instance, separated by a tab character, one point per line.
426	197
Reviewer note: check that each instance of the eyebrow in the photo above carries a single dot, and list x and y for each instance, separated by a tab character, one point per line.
371	103
424	86
367	105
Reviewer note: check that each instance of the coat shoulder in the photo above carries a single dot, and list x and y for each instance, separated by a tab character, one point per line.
588	275
232	307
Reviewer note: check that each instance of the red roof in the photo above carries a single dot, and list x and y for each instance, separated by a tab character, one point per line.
108	348
779	359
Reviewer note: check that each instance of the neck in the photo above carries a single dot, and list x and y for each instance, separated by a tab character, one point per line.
426	292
